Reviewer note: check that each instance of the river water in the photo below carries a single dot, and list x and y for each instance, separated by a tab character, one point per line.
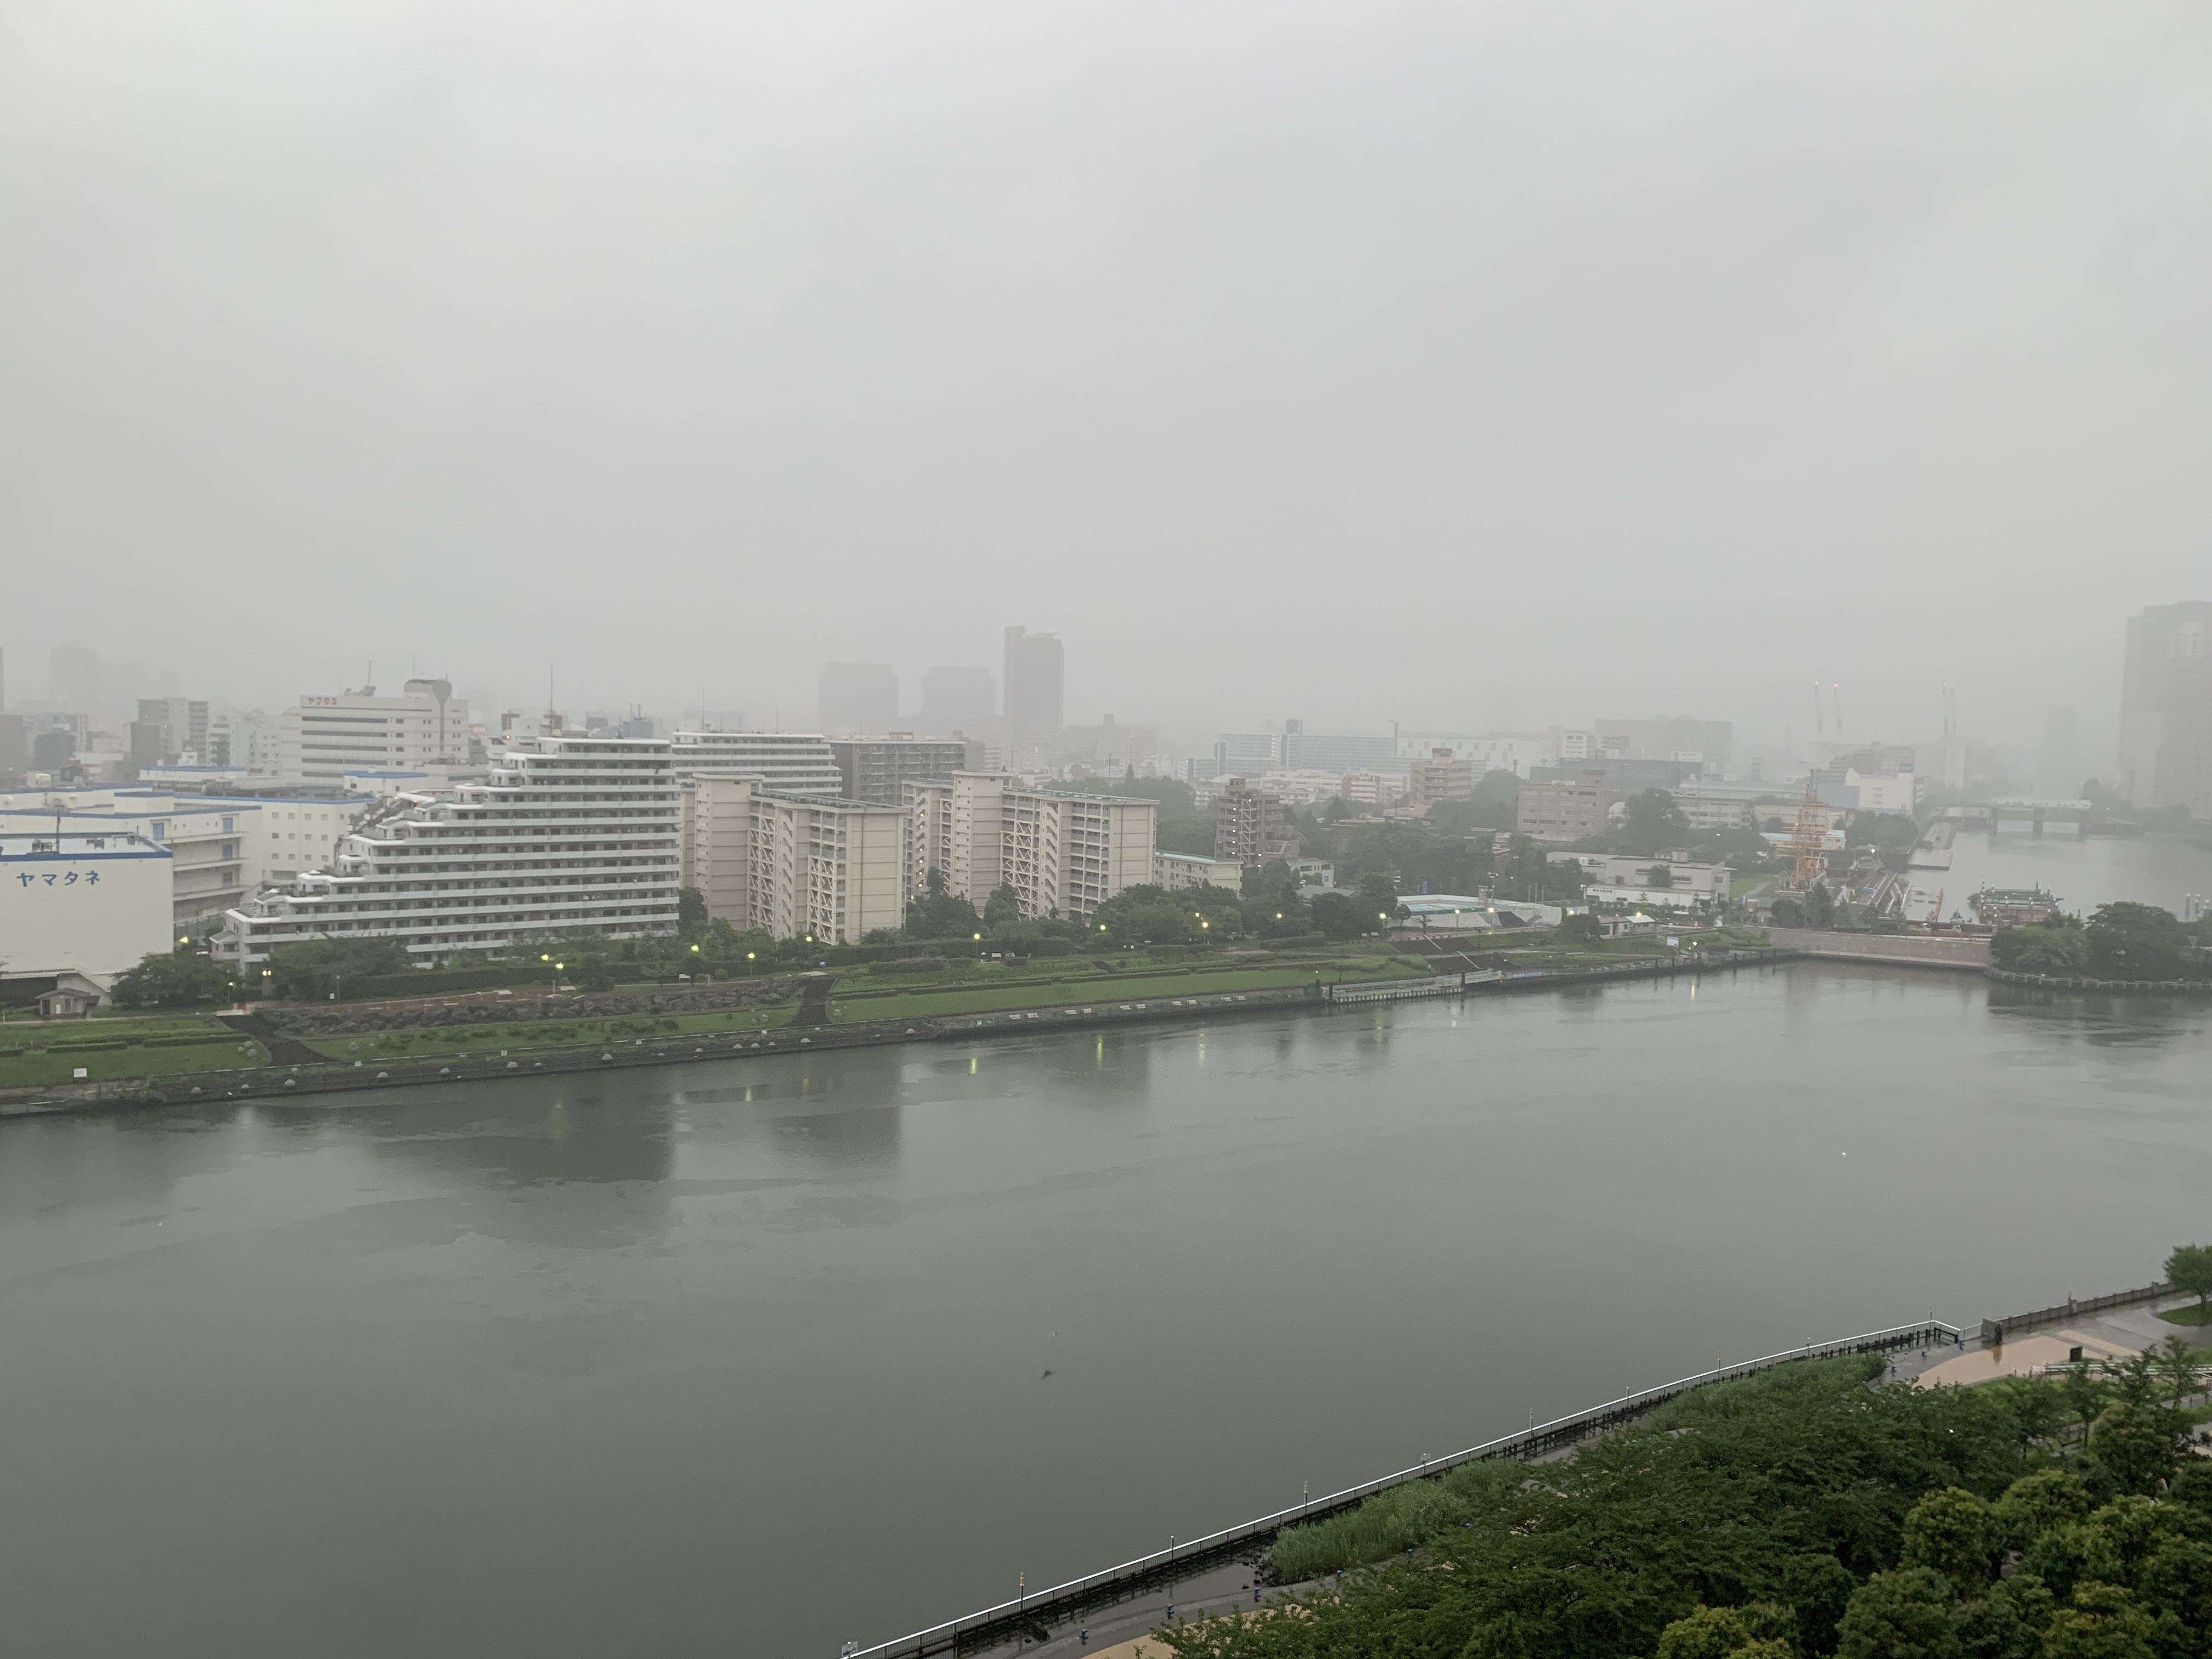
751	1357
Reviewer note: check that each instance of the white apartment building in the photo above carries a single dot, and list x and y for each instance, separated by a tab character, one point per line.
322	738
1178	871
789	763
78	902
796	866
1063	854
568	833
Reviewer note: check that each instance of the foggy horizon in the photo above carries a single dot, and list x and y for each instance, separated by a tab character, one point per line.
1464	368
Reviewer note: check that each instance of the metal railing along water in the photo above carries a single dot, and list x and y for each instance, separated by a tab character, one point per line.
1008	1620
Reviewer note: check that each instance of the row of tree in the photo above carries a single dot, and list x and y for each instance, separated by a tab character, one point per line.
2119	941
1816	1508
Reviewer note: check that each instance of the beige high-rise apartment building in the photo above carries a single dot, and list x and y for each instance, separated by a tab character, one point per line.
796	866
1443	777
1063	854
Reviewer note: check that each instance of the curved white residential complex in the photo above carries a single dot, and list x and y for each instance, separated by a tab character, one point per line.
569	833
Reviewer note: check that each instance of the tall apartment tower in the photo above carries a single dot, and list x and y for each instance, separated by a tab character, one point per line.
853	697
1251	827
2165	708
1035	682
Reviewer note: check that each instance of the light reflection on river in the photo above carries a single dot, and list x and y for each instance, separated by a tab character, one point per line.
751	1356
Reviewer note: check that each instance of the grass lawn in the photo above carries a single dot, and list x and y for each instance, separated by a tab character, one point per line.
62	1057
2199	1314
1095	989
529	1034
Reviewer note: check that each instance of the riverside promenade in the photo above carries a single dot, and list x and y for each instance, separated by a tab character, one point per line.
295	1077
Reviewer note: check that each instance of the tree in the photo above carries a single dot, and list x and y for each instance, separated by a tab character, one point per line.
690	907
1004	905
2136	941
1906	1614
2138	1444
2057	945
317	969
941	914
1582	928
1338	915
168	979
1378	898
1715	1633
2104	1622
1953	1532
1651	823
1819	906
2189	1269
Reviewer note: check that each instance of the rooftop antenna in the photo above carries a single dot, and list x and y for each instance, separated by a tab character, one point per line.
1819	719
1838	689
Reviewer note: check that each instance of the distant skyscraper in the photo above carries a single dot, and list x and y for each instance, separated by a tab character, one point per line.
957	698
2165	708
75	675
857	697
1036	676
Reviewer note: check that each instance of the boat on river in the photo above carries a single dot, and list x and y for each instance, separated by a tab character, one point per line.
1933	850
2012	907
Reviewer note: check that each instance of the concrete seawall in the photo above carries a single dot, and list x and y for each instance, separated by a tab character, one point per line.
1898	949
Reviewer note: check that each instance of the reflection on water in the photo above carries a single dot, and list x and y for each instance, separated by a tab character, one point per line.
527	1367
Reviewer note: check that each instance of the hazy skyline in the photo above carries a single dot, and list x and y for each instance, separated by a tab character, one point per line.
1460	365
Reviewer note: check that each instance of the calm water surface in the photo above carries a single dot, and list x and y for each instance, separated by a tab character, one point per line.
751	1358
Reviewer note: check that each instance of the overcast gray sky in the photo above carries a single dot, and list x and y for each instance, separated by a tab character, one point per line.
1456	364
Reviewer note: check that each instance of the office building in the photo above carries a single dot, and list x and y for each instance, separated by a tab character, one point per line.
181	725
1035	682
570	833
1563	810
1708	742
1624	778
1250	826
1064	854
81	903
322	738
789	763
878	769
1338	752
965	698
2166	709
1440	777
857	697
799	866
1518	752
1244	754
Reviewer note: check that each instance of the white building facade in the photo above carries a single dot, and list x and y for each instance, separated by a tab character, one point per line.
322	738
796	866
81	903
570	833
